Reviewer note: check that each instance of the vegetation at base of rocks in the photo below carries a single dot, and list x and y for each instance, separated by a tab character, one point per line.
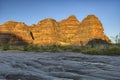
51	48
6	47
94	47
111	50
101	49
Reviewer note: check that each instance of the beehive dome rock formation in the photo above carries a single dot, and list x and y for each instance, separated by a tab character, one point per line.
45	32
92	29
13	32
68	28
68	31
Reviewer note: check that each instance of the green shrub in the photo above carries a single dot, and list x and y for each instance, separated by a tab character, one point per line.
5	47
31	48
77	49
114	51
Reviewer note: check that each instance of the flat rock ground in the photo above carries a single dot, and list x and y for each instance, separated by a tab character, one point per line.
18	65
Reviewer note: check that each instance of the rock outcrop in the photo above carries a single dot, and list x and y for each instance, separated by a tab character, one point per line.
45	32
68	29
91	28
50	32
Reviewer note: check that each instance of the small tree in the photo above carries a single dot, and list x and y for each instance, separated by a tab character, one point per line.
116	38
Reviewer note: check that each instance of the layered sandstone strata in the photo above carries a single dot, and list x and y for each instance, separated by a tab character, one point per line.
68	31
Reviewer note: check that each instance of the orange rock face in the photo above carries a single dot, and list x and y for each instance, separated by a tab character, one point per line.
50	32
68	29
45	32
91	28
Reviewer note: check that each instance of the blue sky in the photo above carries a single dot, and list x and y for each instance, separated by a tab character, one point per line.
32	11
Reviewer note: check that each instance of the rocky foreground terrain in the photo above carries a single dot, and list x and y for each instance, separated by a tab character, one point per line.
19	65
68	31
